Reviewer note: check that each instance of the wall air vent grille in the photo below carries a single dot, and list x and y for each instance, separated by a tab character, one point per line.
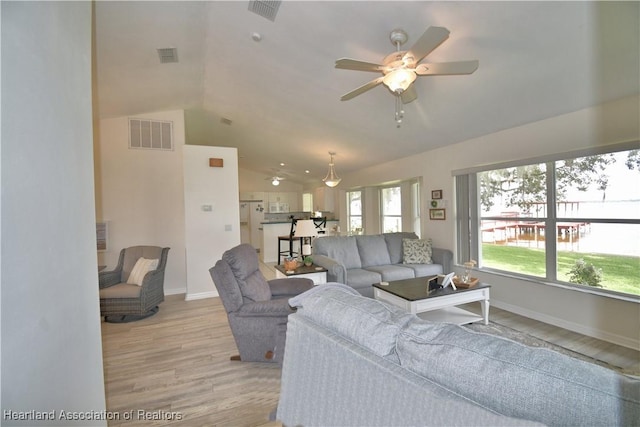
266	9
150	134
168	54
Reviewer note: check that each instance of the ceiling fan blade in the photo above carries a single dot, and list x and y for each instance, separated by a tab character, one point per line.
362	89
431	39
447	68
409	95
354	64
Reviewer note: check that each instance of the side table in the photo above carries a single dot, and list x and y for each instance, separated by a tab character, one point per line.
314	272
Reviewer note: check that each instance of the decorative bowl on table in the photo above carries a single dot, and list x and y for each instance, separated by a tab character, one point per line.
290	264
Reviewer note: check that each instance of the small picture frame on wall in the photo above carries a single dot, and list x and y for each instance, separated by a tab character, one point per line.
436	194
437	214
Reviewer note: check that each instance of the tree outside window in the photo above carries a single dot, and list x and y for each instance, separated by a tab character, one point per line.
586	231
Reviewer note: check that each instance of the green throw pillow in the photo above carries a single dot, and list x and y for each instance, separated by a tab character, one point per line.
416	251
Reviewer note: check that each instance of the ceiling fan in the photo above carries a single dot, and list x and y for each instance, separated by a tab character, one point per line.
275	179
400	69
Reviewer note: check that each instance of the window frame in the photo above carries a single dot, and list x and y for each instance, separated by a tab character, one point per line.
350	215
382	210
468	217
307	202
416	210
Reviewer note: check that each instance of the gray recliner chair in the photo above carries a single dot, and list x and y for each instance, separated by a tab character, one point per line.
257	309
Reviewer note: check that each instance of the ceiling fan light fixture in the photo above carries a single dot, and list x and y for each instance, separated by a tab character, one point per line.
275	181
399	80
331	180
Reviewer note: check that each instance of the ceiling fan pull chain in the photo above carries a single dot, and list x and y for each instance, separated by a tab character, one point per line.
399	111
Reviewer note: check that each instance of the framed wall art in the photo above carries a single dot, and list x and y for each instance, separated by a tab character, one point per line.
436	194
437	214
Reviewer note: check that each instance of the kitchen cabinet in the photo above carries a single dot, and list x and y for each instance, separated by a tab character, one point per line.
252	196
324	199
294	201
288	197
278	197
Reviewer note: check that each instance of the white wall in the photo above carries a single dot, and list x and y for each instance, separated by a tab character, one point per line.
142	195
51	340
209	233
611	319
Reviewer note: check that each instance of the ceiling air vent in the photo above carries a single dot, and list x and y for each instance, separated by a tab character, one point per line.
150	134
168	54
264	8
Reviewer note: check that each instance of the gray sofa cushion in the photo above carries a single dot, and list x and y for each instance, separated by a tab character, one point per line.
373	250
393	272
518	381
342	249
365	321
424	270
394	245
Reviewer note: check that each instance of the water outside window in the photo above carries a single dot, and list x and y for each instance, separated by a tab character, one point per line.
596	220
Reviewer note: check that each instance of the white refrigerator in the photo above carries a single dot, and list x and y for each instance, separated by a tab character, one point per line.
251	218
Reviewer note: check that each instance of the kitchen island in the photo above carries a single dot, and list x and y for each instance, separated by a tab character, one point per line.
272	229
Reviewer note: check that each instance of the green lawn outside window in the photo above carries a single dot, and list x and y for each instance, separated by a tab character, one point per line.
620	273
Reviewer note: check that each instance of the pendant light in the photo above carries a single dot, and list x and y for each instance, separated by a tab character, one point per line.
331	180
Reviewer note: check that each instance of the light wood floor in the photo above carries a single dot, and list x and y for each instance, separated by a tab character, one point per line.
178	361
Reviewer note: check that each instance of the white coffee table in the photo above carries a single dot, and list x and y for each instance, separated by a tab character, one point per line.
440	305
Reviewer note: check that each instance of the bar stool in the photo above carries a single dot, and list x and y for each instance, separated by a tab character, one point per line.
321	224
288	252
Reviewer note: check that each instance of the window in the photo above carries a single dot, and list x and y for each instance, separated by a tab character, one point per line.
572	220
354	212
415	206
512	214
307	202
391	208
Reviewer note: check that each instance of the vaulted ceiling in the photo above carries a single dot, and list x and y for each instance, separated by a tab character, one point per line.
278	99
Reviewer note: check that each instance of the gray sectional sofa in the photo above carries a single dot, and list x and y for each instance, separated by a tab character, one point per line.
356	361
361	261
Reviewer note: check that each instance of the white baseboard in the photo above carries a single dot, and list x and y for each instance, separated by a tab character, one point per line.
575	327
175	291
200	295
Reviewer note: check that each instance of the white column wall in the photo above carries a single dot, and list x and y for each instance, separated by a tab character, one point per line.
208	233
51	341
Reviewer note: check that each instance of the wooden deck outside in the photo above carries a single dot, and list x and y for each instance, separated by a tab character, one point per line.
530	233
